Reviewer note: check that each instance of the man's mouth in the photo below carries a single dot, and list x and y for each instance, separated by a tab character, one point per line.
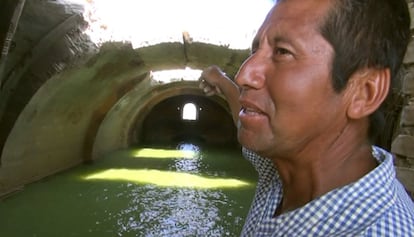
249	111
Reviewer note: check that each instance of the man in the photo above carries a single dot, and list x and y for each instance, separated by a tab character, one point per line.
306	107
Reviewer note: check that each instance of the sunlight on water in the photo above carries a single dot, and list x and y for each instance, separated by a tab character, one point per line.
163	153
206	194
183	212
166	178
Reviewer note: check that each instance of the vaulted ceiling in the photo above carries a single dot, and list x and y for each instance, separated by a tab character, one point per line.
66	99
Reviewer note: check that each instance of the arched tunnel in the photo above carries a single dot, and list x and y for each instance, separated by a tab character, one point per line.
211	122
65	101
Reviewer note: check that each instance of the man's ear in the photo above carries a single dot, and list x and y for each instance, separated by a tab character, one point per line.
368	88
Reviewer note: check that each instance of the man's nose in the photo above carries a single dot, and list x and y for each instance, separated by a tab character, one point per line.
251	73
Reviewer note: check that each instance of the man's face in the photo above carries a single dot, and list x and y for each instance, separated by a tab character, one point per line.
288	102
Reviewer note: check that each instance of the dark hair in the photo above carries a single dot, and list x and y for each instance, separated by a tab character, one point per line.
366	33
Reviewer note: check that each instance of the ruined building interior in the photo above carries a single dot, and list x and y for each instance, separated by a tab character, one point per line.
67	100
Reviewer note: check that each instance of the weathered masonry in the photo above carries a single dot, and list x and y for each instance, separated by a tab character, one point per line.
64	101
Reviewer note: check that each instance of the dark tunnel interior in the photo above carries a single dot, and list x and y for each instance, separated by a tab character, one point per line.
188	118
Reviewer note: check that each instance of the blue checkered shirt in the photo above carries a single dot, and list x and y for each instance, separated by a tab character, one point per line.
375	205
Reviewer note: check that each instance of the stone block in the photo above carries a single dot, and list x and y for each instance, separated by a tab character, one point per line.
409	55
411	8
406	130
163	56
407	116
408	83
406	176
403	145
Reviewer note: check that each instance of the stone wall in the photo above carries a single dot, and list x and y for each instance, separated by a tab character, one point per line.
403	144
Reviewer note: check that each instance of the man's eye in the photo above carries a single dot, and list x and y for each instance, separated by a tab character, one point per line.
281	51
253	51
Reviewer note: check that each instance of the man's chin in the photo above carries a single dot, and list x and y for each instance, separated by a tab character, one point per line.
248	142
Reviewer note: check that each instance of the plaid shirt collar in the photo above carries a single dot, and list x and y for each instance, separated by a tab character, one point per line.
346	211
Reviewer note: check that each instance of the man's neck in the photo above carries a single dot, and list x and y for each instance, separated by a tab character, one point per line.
321	169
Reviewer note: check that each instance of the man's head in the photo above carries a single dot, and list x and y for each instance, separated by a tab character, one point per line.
290	101
367	33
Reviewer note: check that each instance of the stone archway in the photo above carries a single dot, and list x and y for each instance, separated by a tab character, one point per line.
58	92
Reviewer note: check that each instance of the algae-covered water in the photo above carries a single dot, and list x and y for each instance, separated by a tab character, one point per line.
186	190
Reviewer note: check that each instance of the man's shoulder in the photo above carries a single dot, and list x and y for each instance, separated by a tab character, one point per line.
398	220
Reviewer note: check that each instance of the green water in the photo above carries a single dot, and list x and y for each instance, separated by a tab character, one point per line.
185	191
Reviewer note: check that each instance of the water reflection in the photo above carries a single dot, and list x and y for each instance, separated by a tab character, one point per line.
188	165
184	146
180	212
70	205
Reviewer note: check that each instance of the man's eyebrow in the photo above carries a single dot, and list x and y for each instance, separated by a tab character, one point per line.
286	41
275	40
281	39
